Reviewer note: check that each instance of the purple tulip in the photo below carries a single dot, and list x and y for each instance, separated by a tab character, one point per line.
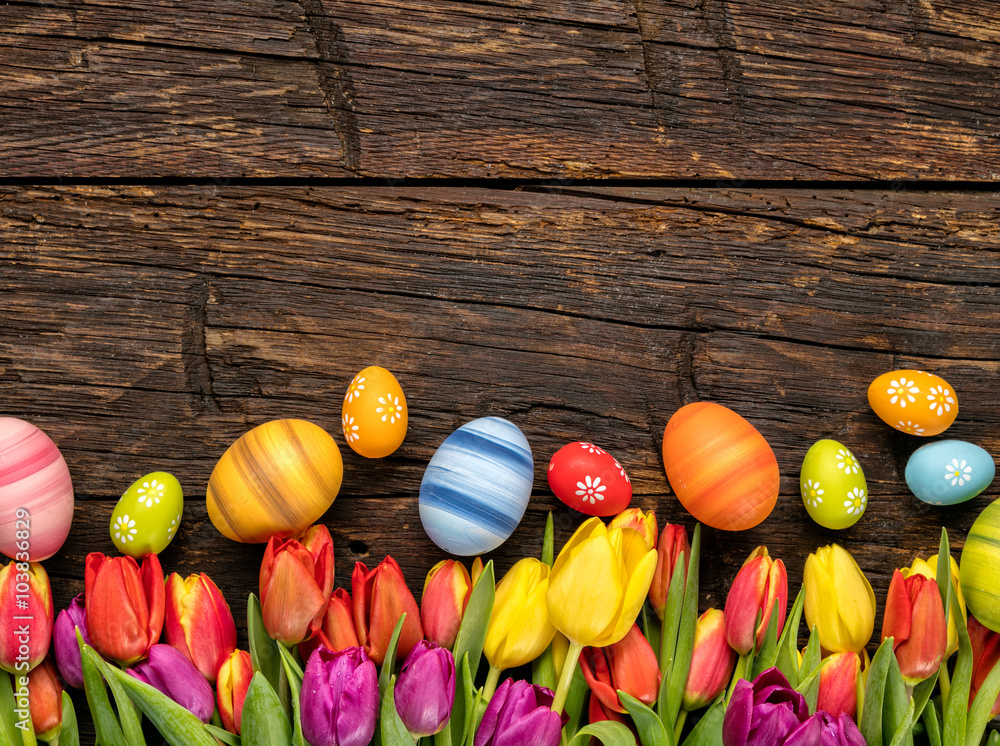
425	689
339	702
765	713
823	729
64	642
519	715
170	671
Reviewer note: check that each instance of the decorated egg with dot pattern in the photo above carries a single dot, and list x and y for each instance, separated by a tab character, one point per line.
979	567
721	469
276	480
589	479
833	485
36	492
948	472
147	516
914	402
374	416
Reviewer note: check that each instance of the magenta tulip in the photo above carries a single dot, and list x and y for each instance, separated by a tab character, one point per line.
339	702
765	712
65	645
170	671
519	714
425	689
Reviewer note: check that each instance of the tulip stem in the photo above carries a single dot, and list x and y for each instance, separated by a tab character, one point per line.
944	681
679	726
566	677
740	673
491	683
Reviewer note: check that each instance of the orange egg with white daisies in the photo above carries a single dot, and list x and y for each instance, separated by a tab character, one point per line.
721	469
374	416
914	402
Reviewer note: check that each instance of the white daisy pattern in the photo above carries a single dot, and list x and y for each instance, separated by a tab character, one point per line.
856	501
910	427
125	529
621	470
390	409
813	493
590	489
958	472
847	462
150	493
355	389
591	448
940	399
173	526
350	429
902	391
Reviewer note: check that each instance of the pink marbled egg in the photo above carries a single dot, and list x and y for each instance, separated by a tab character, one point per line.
36	493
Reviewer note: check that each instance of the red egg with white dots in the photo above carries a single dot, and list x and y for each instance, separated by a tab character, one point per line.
589	479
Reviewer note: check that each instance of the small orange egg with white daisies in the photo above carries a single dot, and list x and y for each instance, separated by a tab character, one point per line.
374	416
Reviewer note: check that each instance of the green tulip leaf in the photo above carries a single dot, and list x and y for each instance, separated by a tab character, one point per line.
69	731
980	712
470	640
543	670
994	739
224	735
647	723
871	718
904	732
956	709
787	655
681	664
922	693
461	710
608	732
894	703
651	627
109	731
392	730
127	716
9	733
708	731
294	675
932	724
669	628
808	674
549	541
264	722
389	662
577	695
174	722
768	653
264	655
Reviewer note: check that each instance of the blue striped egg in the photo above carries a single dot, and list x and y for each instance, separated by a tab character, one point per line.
476	487
948	472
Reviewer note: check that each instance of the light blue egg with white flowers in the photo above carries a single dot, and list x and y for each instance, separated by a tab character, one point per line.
476	487
948	472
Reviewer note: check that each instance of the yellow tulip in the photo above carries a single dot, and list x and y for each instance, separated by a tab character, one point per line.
929	570
839	600
599	583
519	628
642	521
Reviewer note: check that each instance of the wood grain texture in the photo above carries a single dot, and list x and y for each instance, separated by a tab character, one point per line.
706	89
148	328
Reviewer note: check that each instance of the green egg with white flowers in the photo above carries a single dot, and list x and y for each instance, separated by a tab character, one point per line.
979	567
833	486
147	516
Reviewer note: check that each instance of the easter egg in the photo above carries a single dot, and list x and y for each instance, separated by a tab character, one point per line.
147	516
948	472
36	492
589	479
914	402
833	485
979	567
374	413
476	486
721	469
276	480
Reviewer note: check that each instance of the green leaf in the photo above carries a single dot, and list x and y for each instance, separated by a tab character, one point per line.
470	640
69	732
980	712
174	722
904	733
609	732
223	735
294	675
543	670
647	723
943	571
671	625
461	708
264	654
787	659
955	710
573	708
768	653
932	722
994	739
871	719
894	702
811	660
548	541
708	731
393	731
389	662
651	627
922	693
681	664
264	722
109	732
9	734
127	716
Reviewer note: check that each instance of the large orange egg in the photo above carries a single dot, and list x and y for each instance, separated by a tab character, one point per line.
276	480
914	402
374	415
722	470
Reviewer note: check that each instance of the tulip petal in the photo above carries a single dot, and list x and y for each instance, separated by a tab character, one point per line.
898	611
639	579
586	586
292	599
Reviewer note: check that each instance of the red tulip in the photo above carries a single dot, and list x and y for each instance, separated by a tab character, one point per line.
642	521
234	678
198	622
124	605
759	583
838	684
914	618
673	541
380	598
25	616
45	696
985	655
446	593
296	579
338	631
629	665
712	661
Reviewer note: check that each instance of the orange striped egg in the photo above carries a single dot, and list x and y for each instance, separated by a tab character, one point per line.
722	470
276	480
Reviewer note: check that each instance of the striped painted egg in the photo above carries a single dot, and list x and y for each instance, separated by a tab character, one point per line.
36	492
721	469
979	567
476	487
276	480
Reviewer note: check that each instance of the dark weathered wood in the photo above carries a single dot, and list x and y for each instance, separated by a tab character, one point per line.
715	89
